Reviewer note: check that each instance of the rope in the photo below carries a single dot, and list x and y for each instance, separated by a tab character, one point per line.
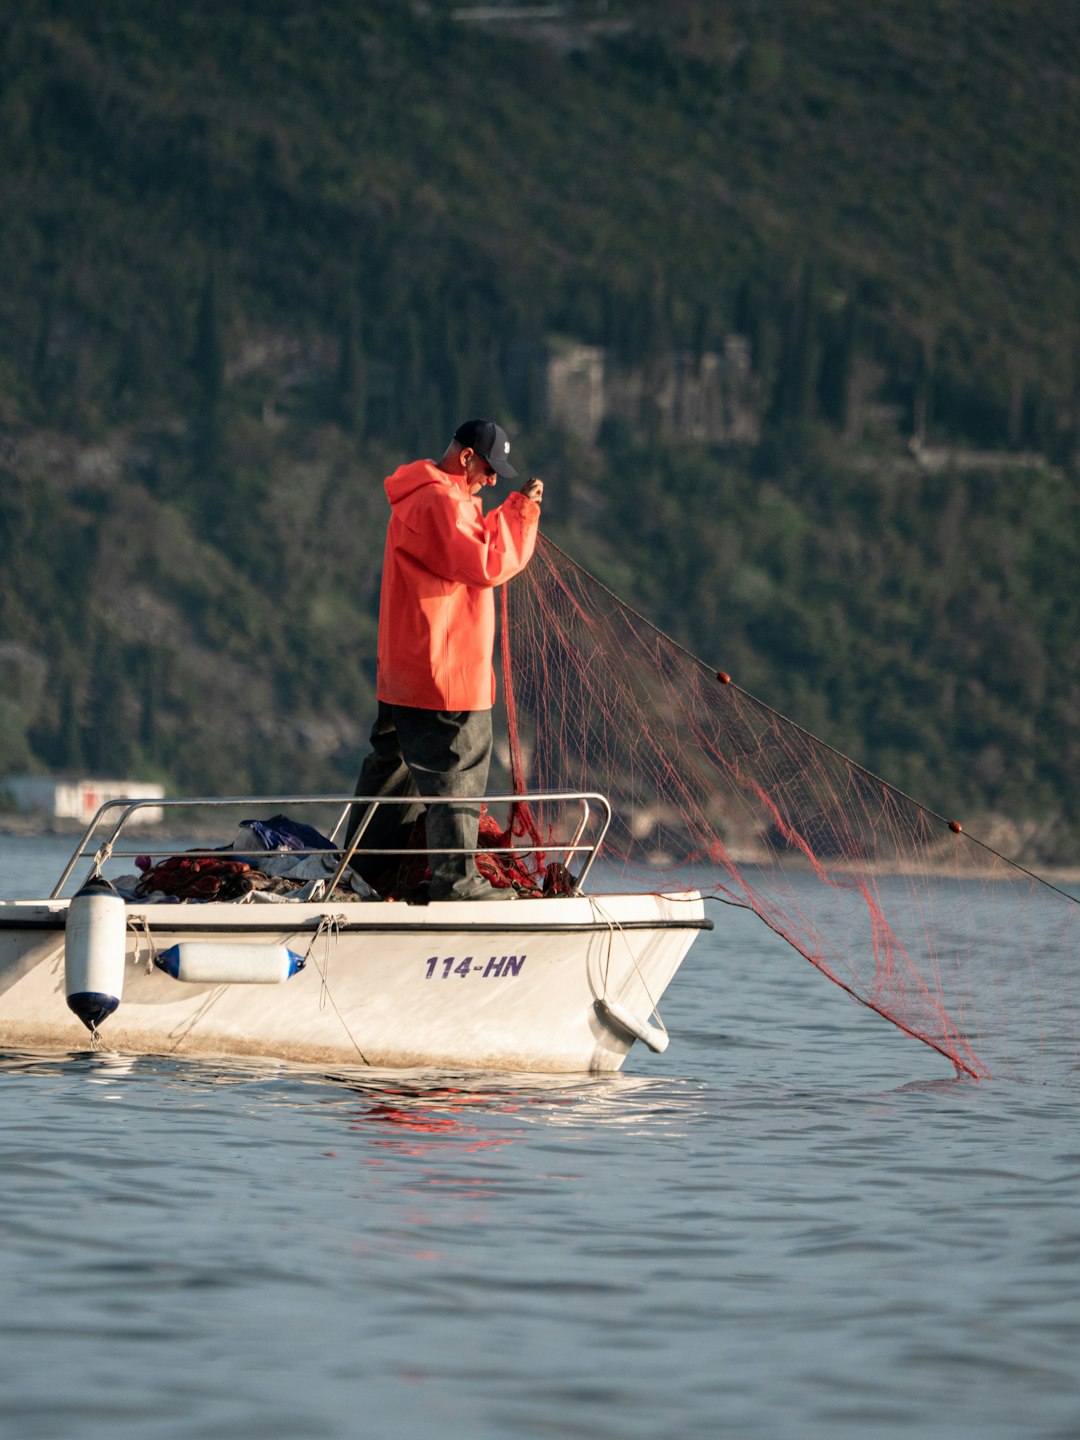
101	857
613	926
328	930
135	924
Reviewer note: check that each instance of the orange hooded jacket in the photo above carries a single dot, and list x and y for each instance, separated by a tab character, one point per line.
436	608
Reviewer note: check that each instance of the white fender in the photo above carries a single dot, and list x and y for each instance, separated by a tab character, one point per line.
656	1039
210	962
95	939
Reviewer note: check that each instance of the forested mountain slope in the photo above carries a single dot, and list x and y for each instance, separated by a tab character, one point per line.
254	256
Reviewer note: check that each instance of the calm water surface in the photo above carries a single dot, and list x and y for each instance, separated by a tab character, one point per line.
793	1223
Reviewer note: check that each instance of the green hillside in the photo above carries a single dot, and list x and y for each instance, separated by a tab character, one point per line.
255	256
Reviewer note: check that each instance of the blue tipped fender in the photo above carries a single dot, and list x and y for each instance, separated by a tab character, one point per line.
212	962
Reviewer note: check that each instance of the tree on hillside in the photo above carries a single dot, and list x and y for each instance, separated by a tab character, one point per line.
350	386
207	363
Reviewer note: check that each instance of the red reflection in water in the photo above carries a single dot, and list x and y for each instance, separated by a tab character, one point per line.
432	1118
425	1120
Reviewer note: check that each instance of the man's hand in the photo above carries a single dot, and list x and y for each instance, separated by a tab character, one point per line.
533	489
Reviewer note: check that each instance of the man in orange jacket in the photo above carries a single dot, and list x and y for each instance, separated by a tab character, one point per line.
436	685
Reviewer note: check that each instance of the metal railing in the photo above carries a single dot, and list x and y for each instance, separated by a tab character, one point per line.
593	807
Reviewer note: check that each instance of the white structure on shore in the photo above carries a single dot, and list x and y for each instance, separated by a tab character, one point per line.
79	799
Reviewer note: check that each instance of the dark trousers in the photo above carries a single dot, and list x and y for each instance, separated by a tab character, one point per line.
426	752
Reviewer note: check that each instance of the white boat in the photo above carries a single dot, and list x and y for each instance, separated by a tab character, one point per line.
563	982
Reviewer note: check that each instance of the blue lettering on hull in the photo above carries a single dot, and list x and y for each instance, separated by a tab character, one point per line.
441	967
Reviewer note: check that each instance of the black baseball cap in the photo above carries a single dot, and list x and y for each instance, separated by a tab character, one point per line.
489	442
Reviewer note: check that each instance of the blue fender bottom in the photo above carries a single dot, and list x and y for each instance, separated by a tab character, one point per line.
92	1007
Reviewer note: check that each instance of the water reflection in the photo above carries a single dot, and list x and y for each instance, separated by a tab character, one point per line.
410	1111
422	1123
428	1244
430	1112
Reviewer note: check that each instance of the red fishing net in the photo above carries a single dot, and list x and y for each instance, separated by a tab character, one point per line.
712	789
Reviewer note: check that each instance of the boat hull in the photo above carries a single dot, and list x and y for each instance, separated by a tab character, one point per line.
532	986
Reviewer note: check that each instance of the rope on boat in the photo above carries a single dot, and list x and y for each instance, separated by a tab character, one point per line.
612	926
328	930
101	856
140	928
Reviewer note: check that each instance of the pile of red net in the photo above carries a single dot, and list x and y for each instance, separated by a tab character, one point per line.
712	789
196	877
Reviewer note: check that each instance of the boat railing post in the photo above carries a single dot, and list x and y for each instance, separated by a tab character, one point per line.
358	835
340	821
575	839
79	853
599	839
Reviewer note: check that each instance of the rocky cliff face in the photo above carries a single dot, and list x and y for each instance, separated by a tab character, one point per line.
715	398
